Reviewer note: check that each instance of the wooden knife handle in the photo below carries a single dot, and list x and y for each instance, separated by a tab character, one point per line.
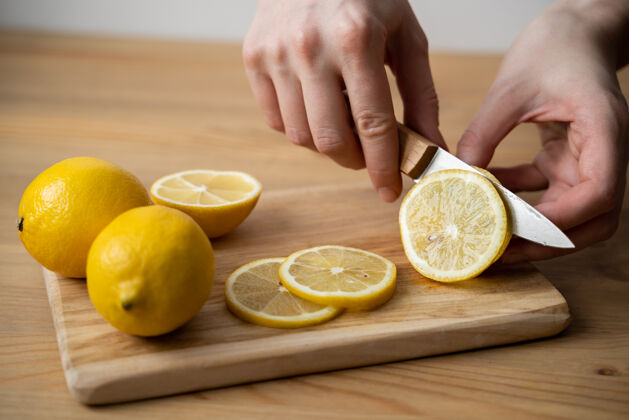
416	151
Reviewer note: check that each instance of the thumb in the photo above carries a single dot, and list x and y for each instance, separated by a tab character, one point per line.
497	116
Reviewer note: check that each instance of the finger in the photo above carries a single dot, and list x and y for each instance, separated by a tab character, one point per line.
524	177
293	110
328	119
577	204
497	116
372	110
409	62
596	230
266	97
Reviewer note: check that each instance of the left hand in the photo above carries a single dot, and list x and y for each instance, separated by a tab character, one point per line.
561	74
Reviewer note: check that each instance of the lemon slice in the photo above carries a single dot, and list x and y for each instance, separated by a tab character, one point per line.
254	294
218	201
339	276
453	225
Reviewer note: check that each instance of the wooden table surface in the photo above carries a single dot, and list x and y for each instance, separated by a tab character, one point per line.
157	107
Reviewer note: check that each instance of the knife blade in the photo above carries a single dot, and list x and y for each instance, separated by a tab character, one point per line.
420	157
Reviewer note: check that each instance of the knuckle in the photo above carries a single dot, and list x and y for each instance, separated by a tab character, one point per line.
354	32
276	51
252	55
428	95
299	137
305	42
373	125
329	142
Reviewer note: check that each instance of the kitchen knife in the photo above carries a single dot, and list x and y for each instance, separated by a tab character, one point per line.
420	157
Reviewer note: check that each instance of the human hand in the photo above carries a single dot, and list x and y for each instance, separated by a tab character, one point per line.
561	74
301	54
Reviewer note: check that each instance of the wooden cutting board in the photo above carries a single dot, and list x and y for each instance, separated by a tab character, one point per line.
504	305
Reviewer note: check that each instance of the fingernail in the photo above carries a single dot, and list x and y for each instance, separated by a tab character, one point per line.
513	258
387	194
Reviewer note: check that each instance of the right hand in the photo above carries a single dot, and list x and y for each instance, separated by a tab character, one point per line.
561	74
301	54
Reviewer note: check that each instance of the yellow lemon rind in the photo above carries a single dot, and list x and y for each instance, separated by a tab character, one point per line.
65	207
490	255
267	320
150	270
369	298
487	174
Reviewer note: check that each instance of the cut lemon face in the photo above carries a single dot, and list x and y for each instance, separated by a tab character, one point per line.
453	225
218	201
254	294
339	276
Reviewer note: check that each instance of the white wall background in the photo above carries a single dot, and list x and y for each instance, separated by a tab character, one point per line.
451	25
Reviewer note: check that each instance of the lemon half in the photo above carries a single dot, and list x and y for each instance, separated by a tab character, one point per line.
219	201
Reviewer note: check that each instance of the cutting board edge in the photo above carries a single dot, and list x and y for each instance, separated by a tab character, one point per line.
54	294
88	385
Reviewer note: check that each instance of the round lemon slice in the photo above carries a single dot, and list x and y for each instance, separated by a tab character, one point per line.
339	276
218	201
254	294
453	225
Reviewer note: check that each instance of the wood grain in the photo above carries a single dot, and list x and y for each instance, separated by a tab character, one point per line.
157	107
416	152
103	365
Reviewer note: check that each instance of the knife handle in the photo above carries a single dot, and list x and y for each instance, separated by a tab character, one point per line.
416	151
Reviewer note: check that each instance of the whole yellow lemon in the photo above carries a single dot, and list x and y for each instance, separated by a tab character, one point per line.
150	270
67	205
